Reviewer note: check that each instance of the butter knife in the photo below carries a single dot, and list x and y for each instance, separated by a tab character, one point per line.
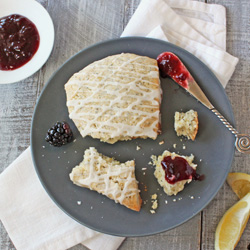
170	65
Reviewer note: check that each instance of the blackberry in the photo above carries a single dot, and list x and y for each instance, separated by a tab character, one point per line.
59	134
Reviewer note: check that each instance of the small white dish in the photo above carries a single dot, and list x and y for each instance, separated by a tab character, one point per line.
41	18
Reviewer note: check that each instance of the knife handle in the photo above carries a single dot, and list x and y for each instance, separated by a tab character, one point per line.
242	142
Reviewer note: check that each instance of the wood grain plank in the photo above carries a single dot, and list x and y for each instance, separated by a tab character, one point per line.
238	91
17	103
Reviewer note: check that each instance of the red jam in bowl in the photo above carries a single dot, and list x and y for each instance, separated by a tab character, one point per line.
170	65
19	41
178	169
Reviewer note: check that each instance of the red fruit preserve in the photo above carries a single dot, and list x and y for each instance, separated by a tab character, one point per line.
178	169
19	41
170	65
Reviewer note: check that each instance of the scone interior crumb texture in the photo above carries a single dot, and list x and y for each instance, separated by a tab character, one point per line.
186	124
116	98
109	177
170	189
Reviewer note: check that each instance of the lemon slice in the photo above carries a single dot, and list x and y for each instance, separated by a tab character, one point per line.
232	225
240	183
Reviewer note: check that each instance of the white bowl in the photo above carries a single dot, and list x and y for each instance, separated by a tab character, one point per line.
41	18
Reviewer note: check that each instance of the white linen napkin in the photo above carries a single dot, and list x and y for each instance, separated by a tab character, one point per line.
197	27
32	220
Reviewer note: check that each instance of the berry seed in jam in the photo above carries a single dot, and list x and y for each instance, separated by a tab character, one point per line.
178	169
170	65
19	41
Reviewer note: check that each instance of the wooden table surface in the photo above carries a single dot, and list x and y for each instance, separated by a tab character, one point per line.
79	24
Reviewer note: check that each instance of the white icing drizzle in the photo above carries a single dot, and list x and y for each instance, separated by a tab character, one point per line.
108	177
102	96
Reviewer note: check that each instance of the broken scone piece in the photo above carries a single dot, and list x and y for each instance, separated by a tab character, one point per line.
173	171
109	177
186	124
117	98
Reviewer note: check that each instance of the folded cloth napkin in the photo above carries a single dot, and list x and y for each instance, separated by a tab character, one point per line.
32	220
197	27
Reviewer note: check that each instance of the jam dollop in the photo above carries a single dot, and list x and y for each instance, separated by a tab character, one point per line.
178	169
19	41
170	65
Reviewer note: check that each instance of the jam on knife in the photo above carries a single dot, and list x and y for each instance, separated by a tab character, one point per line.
170	65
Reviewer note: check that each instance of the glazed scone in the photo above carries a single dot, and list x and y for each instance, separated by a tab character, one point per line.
108	177
116	98
186	124
170	189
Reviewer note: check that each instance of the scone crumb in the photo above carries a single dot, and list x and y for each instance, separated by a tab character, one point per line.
184	147
186	124
166	202
192	197
144	169
150	163
174	145
161	142
155	204
79	202
174	200
152	211
154	196
138	148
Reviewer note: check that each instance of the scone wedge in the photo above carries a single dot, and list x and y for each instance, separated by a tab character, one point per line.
108	177
116	98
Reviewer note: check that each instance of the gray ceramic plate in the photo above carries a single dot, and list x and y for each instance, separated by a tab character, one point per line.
213	147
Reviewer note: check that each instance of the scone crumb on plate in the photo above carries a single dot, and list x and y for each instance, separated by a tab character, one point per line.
79	202
155	204
183	147
186	124
166	202
152	211
174	145
154	196
161	142
138	148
